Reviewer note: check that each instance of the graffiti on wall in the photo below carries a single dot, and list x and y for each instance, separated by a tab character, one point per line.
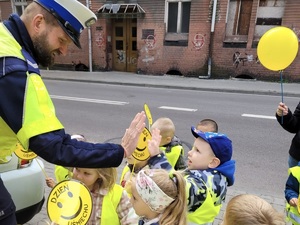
245	59
150	42
297	32
100	40
198	41
121	56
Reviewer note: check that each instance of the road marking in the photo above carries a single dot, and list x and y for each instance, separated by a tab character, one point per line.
88	100
179	109
259	116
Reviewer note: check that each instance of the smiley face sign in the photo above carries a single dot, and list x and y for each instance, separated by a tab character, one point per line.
141	152
69	202
23	154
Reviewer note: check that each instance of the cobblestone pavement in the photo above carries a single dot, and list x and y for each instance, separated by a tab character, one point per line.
42	218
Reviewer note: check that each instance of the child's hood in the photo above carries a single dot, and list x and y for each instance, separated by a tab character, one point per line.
227	169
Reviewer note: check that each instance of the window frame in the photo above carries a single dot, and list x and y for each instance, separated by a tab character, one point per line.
180	15
19	3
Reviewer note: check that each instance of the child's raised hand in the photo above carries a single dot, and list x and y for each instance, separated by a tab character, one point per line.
50	182
282	109
294	202
154	142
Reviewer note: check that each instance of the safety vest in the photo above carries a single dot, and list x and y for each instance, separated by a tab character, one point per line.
111	201
173	154
207	212
38	112
62	173
292	212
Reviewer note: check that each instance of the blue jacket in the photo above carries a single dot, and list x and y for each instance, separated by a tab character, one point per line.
56	147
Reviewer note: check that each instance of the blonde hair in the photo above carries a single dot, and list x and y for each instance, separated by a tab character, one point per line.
108	177
246	209
173	185
166	127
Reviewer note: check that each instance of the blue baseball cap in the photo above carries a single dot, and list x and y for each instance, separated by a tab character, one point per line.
71	15
219	143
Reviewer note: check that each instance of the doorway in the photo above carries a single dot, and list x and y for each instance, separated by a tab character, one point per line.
124	46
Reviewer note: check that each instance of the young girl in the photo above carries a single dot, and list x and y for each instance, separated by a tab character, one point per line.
158	197
111	204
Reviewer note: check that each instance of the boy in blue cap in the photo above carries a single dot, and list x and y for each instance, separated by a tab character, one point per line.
210	170
27	114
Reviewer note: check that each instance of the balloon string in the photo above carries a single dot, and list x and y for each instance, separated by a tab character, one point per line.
281	84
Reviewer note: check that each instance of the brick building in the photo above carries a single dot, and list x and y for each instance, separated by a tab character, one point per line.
206	38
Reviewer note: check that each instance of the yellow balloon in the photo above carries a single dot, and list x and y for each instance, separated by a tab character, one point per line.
277	48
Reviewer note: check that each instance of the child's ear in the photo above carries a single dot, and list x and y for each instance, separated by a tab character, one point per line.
169	139
215	162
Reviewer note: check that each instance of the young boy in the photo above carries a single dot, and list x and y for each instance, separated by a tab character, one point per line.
207	125
210	171
170	144
246	209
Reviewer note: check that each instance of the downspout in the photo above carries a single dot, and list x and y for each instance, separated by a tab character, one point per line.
90	42
212	31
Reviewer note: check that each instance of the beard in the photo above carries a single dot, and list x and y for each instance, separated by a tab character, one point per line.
44	55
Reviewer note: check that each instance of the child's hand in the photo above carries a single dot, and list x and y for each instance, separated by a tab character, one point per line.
282	109
293	202
153	144
50	182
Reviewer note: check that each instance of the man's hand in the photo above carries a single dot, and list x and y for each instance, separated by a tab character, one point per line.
282	109
132	134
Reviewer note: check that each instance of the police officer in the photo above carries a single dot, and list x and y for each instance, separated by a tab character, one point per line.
27	115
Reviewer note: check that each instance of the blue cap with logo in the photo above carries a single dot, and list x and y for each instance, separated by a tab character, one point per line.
219	143
71	15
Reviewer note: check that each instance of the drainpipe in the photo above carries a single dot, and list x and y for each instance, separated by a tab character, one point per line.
212	31
90	42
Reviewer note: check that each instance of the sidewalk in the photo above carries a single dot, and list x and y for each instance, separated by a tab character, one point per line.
177	82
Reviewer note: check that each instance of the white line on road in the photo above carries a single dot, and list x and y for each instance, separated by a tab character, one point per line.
89	100
259	116
179	109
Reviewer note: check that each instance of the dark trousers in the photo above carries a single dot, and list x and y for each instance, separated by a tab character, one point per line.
7	207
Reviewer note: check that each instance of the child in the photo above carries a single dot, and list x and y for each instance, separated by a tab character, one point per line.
207	125
292	194
106	195
246	209
158	160
170	144
210	171
158	197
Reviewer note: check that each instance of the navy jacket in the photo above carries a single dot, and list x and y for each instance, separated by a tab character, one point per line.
56	147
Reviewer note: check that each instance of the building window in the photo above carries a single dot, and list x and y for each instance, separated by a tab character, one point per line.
238	21
269	15
177	19
19	6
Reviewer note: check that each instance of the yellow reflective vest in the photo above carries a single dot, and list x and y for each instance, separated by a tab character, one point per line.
207	212
38	112
111	201
292	212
